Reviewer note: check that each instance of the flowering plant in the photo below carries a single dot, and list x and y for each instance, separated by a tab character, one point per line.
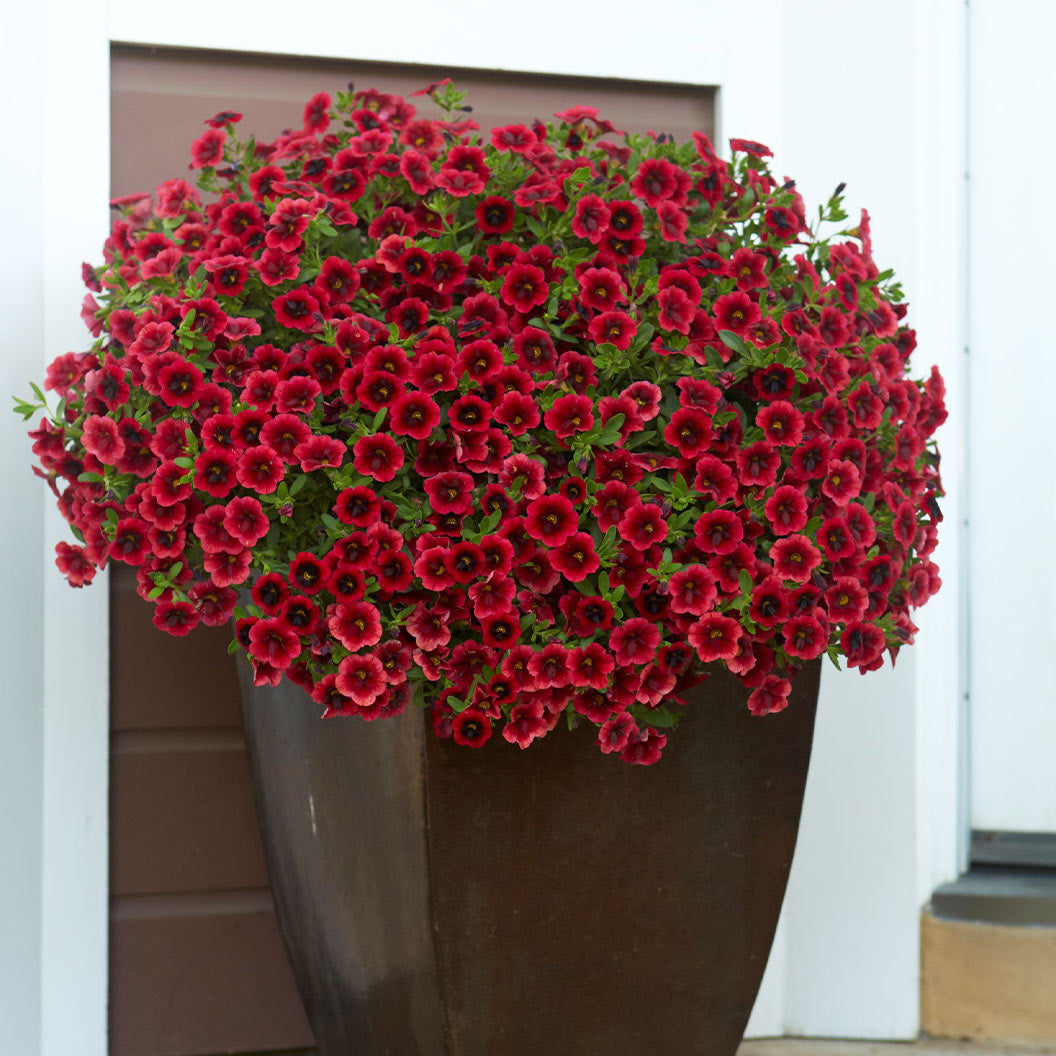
546	422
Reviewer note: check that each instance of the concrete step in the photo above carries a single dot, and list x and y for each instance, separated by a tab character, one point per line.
817	1047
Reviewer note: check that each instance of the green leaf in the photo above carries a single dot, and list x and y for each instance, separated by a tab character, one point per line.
745	581
378	419
734	341
91	478
491	522
659	717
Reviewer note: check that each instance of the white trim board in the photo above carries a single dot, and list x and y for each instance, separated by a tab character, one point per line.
880	823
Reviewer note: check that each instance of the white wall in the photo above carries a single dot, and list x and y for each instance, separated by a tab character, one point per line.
21	567
1013	377
841	91
75	892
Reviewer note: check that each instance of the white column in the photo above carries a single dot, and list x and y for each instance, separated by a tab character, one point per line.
74	97
21	526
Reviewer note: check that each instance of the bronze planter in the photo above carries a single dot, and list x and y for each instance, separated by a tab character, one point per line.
444	901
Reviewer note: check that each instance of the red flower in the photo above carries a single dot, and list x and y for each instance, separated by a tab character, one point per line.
676	310
356	625
74	564
749	146
260	469
614	328
270	591
715	637
495	215
771	697
693	590
736	312
518	413
570	414
273	643
471	727
805	637
614	734
862	644
835	539
180	383
575	558
525	724
794	558
644	747
307	573
215	472
130	541
590	666
635	641
414	414
517	138
501	629
450	492
296	310
551	519
317	113
643	526
318	452
548	668
102	439
758	464
361	679
469	414
846	600
377	456
718	532
591	220
842	482
655	180
245	521
208	148
478	388
464	561
770	602
786	510
673	222
524	287
690	431
177	618
600	288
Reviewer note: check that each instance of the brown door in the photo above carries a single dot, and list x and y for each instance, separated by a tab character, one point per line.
196	962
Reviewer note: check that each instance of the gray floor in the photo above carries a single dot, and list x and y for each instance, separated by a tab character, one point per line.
810	1047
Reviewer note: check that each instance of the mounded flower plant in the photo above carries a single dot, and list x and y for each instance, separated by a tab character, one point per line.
547	421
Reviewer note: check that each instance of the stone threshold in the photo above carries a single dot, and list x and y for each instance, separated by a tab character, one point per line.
924	1047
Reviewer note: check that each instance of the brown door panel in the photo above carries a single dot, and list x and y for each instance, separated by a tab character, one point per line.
196	963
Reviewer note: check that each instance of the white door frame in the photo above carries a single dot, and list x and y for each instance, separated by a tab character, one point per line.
882	822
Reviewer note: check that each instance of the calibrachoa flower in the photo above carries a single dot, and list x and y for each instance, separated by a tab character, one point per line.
536	420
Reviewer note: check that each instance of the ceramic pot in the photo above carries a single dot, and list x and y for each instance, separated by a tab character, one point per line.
437	900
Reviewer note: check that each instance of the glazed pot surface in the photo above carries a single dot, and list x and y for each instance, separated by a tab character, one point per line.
438	900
